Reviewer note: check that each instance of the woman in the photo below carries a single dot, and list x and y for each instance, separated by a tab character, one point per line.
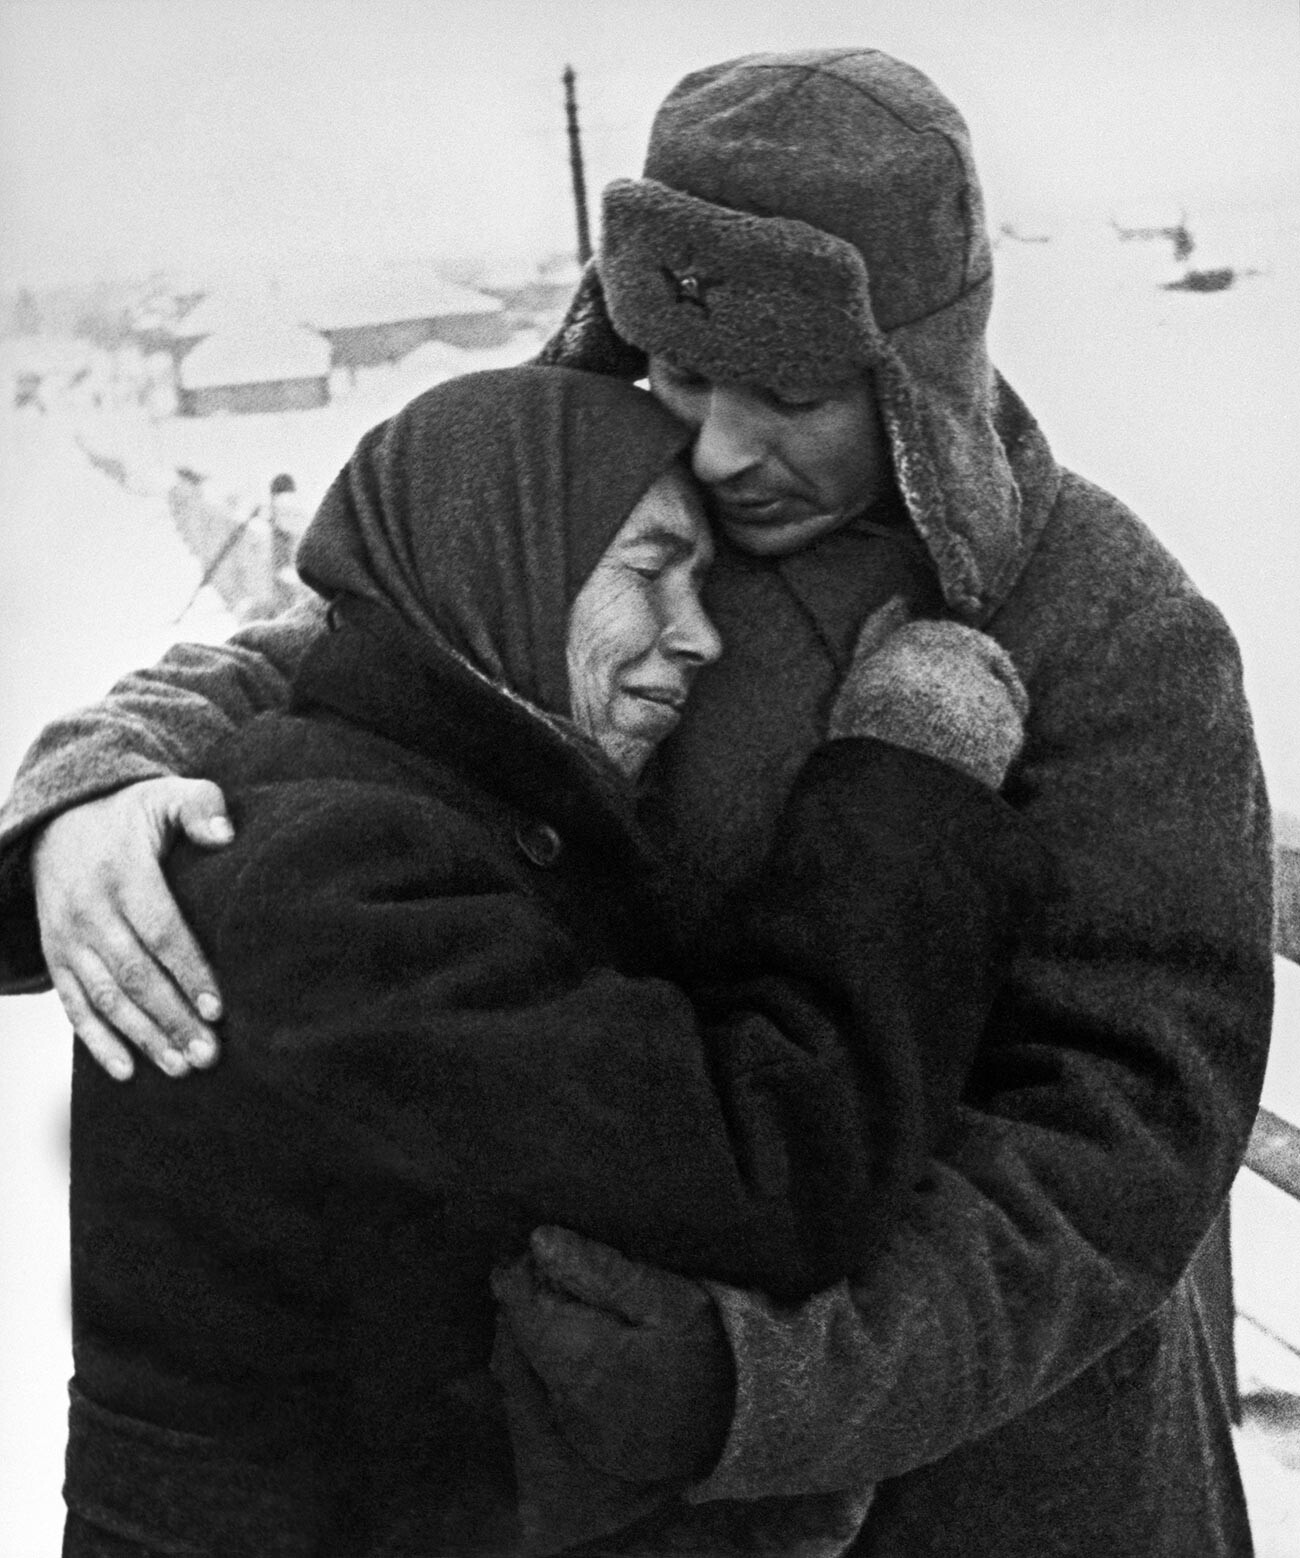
456	1011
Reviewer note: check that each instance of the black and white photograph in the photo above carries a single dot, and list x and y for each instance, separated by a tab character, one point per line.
649	779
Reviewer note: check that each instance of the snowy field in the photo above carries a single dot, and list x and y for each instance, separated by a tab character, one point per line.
1185	405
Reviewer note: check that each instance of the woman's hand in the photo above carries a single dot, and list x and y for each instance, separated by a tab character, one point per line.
123	961
938	688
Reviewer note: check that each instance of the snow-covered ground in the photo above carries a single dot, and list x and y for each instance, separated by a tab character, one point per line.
1186	405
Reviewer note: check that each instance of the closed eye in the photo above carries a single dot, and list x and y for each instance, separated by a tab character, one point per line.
654	552
793	402
682	378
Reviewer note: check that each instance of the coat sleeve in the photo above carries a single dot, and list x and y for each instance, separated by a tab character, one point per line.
387	972
163	720
1109	1104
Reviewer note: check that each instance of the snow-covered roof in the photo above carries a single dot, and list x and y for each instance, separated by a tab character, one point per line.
437	360
508	275
260	354
233	310
390	298
561	270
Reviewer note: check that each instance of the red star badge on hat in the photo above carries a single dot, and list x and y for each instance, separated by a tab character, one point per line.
690	287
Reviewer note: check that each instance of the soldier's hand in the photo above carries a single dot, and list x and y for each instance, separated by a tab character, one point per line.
634	1360
126	968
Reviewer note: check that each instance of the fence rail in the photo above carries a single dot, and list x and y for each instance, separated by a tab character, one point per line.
1274	1152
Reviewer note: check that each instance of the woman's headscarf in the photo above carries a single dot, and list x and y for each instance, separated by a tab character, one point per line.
477	513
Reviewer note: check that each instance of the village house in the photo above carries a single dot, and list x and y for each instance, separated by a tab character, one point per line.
255	367
531	291
212	313
386	314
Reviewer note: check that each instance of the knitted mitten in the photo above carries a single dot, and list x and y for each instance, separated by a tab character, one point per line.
934	687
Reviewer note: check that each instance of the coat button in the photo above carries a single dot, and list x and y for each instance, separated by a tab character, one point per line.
539	841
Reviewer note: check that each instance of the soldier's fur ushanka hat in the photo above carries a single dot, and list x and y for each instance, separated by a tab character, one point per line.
793	208
807	216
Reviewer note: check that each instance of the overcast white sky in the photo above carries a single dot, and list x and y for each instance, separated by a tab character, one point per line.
208	133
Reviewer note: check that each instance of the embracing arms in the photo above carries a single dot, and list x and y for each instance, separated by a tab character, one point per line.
97	801
1111	1101
752	1119
1107	1109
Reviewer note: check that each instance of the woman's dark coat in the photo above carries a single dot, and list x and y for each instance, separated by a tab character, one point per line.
443	1028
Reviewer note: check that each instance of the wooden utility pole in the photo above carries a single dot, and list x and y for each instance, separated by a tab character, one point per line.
575	167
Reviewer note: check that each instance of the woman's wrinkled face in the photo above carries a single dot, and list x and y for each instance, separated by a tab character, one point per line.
637	630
